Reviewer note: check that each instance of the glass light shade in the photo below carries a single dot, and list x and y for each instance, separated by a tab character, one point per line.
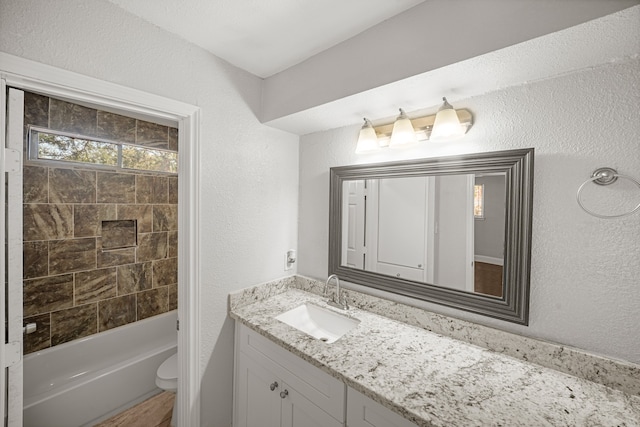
367	140
403	134
447	124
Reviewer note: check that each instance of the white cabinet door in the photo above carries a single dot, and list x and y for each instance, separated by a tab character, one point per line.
273	387
364	412
298	411
398	218
257	405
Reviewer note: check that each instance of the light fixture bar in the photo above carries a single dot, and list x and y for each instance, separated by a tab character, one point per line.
424	125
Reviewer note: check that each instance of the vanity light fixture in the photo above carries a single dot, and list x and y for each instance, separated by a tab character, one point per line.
447	124
403	133
367	140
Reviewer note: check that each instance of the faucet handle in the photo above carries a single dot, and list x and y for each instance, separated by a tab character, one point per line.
344	302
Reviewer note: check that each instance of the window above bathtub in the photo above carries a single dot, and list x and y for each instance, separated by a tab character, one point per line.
60	148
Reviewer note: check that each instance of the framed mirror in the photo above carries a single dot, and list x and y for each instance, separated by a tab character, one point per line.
451	230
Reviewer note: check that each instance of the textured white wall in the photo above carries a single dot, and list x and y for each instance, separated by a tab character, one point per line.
585	290
585	270
249	171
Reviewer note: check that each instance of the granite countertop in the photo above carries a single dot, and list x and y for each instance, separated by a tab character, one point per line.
433	380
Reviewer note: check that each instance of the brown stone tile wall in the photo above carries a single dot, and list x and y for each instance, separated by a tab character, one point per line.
73	286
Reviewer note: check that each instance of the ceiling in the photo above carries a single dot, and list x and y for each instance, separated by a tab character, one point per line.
265	37
315	55
610	39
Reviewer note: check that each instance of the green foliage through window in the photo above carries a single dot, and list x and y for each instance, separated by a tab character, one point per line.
58	147
51	146
148	159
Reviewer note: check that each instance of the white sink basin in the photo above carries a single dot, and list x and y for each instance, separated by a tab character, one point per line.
320	323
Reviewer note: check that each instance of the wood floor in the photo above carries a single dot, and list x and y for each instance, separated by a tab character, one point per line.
153	412
488	279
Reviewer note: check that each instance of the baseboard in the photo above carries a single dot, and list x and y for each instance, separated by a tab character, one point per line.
488	259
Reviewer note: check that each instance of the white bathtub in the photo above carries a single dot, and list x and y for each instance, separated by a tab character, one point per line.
84	381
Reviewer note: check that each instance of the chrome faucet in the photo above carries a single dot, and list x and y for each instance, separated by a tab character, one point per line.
337	300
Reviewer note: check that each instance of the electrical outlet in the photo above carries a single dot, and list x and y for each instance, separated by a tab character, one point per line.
289	259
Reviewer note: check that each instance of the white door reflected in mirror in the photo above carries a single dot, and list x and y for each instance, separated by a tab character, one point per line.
445	230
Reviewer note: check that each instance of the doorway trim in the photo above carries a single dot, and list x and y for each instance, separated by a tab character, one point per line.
51	81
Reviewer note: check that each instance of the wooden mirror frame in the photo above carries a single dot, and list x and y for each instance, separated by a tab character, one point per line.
517	165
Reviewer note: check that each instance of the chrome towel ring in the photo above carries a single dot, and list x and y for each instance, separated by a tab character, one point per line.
606	176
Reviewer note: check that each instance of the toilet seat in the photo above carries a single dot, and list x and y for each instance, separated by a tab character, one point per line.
167	375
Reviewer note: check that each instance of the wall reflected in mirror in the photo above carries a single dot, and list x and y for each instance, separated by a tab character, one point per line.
445	230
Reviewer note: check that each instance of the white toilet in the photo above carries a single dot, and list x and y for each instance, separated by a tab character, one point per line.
167	379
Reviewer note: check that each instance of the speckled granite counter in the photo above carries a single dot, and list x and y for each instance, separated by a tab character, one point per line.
433	380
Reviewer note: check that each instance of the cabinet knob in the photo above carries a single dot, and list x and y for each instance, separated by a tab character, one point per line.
274	385
284	393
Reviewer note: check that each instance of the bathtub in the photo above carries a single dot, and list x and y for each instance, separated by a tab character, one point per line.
85	381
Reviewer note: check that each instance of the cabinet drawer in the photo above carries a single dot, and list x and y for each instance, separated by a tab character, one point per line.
317	386
365	412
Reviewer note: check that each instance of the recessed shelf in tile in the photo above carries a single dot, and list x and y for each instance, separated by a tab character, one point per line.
119	234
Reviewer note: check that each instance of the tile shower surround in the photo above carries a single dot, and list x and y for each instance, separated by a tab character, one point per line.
72	286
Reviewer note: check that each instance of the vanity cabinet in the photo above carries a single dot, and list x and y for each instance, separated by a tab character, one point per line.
365	412
275	388
255	403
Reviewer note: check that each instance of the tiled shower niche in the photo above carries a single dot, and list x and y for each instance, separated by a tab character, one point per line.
100	247
119	234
